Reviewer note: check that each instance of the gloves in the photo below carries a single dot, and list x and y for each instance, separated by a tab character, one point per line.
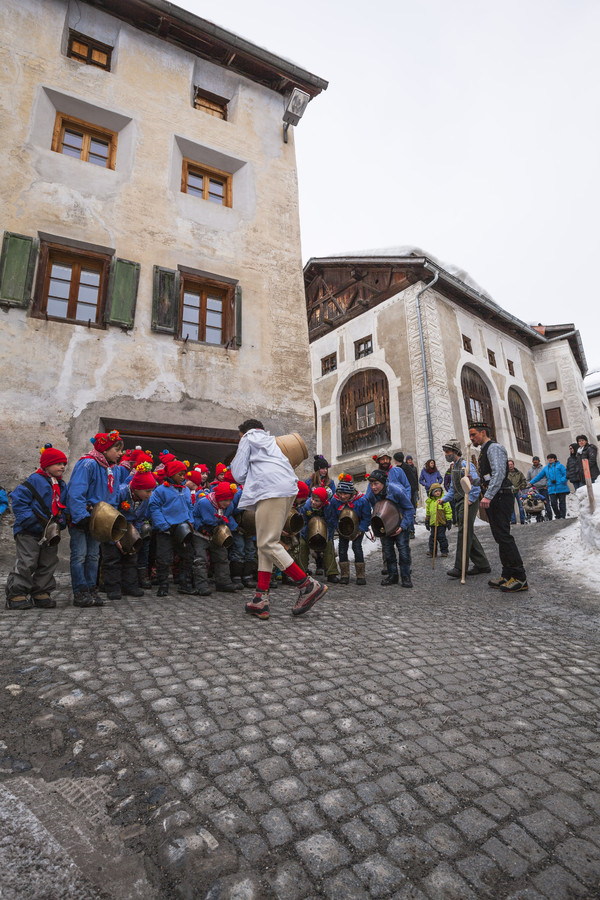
83	524
448	526
427	526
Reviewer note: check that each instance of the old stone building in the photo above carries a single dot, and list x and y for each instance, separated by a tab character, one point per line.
402	365
151	276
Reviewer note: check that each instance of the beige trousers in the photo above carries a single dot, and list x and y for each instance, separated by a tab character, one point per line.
270	519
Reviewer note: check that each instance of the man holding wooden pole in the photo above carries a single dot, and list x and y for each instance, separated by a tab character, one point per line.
498	503
467	543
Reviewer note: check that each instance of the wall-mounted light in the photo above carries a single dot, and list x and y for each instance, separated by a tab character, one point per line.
294	109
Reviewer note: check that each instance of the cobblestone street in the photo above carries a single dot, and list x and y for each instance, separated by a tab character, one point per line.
435	743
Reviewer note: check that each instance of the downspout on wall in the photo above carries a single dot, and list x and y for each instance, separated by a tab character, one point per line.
424	361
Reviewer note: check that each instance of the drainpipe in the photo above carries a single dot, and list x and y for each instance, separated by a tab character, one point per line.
424	362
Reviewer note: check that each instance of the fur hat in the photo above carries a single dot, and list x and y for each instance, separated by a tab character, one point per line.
51	457
104	441
224	491
143	479
453	445
320	463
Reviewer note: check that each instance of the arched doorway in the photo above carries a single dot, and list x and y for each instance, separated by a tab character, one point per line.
520	421
478	401
365	411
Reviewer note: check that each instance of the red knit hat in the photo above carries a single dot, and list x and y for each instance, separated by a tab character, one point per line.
228	476
173	467
321	494
221	467
104	441
143	479
224	491
139	456
196	476
200	467
303	490
166	457
51	457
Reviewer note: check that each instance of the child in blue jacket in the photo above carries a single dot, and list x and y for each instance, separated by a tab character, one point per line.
170	506
216	508
347	497
319	505
40	498
380	489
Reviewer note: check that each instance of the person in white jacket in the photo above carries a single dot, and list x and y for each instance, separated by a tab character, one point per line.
270	487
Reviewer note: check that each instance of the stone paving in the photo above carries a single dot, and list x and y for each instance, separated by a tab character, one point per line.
435	743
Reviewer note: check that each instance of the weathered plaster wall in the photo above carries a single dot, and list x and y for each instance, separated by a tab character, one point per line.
65	377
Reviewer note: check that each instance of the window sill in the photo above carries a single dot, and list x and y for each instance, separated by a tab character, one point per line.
202	345
99	326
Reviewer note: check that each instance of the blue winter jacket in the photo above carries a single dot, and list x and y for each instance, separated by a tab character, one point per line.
325	511
138	512
395	493
25	506
429	478
3	501
556	474
205	515
170	506
396	475
88	485
361	507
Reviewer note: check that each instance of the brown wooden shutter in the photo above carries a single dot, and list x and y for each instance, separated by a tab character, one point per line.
554	420
238	315
122	293
17	265
165	300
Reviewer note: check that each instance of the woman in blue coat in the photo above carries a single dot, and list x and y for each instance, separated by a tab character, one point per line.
558	487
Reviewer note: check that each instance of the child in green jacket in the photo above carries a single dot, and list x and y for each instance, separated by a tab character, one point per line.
440	513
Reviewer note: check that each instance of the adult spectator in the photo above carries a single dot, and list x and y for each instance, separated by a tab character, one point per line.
556	476
498	501
572	467
542	485
411	476
475	552
519	483
430	475
590	452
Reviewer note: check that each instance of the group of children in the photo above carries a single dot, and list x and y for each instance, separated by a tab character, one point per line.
185	526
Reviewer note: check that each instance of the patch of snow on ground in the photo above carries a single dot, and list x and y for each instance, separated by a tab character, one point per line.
576	550
590	521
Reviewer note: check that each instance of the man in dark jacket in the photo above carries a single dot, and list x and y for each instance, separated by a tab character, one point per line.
590	452
413	479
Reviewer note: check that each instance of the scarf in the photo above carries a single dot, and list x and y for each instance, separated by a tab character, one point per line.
218	511
57	506
102	461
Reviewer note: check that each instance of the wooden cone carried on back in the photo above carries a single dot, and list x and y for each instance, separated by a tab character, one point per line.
292	446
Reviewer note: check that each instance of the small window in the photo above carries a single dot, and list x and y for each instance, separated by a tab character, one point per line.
329	364
209	184
88	51
210	103
73	286
467	345
365	416
511	367
84	141
551	386
205	311
554	420
363	347
491	357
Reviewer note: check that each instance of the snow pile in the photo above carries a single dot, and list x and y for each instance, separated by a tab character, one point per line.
590	522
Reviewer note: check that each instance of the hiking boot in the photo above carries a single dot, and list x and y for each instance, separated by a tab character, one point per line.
143	580
133	592
429	554
513	585
309	592
113	596
454	573
237	583
259	605
83	599
19	602
204	592
187	589
96	598
345	570
360	573
333	579
391	579
478	570
384	572
406	581
163	590
497	582
226	588
44	601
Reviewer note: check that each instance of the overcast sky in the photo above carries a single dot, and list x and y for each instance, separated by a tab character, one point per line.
468	128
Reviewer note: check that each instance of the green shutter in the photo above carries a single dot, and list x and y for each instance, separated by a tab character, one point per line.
165	300
238	315
122	292
17	265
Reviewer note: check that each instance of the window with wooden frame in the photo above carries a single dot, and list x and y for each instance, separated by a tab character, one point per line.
329	364
520	421
82	140
365	415
554	419
210	103
72	285
363	347
477	399
89	51
467	345
491	357
511	367
209	184
205	312
551	386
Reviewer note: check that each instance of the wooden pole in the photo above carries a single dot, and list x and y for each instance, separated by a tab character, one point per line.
588	483
465	483
434	536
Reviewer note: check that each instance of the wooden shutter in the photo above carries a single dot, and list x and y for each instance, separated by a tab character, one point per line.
520	422
17	265
238	315
165	300
554	420
122	293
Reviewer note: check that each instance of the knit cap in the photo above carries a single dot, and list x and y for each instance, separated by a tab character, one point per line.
345	484
320	463
196	476
378	475
49	456
174	467
105	440
321	494
303	491
143	479
224	491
